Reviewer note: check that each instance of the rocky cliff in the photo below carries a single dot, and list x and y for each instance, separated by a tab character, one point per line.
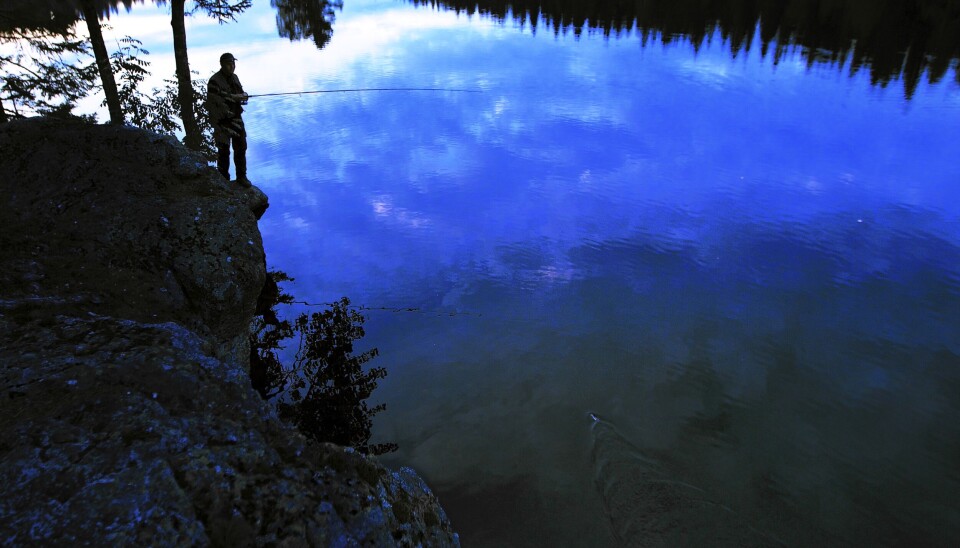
129	272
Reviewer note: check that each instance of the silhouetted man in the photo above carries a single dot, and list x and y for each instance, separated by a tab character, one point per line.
225	99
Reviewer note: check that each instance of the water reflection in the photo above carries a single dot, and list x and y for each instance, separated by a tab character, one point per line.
895	39
648	506
306	19
753	273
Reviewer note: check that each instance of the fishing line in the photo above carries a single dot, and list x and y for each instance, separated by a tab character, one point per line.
361	89
500	318
395	309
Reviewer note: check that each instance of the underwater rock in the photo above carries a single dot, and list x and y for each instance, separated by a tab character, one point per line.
128	280
647	506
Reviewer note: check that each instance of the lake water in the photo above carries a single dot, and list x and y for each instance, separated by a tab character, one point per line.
751	269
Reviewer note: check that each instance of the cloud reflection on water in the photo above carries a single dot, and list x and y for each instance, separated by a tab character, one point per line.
721	253
747	265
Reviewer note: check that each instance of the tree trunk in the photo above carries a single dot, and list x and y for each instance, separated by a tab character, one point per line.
3	114
184	85
103	62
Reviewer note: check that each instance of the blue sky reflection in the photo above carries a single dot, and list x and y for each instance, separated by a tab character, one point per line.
565	138
616	216
668	238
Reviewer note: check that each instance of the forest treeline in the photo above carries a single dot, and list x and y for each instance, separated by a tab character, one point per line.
893	39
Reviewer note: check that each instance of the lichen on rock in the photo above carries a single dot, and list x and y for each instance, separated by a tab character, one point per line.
129	274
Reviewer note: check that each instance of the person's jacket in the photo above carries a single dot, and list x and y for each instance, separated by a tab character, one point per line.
223	110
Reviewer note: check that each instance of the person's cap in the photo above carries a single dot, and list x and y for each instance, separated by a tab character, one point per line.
227	57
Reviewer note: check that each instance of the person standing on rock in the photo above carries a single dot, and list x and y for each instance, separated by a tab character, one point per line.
225	100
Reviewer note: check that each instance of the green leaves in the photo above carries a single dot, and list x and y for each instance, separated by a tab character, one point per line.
222	10
158	111
43	73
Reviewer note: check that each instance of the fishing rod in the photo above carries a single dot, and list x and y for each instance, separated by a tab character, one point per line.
361	89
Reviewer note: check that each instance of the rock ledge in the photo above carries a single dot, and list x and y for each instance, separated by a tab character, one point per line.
128	278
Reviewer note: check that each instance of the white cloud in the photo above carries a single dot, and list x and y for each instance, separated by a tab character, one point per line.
384	209
293	222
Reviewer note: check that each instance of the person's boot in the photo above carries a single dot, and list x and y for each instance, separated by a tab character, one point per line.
243	181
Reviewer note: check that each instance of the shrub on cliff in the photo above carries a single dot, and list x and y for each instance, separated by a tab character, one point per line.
159	110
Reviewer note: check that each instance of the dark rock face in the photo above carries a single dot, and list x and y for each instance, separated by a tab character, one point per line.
120	221
130	271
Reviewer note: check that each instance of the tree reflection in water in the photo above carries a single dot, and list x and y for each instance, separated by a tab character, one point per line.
894	39
324	391
303	19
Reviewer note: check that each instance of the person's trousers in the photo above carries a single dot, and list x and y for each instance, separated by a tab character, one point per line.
239	143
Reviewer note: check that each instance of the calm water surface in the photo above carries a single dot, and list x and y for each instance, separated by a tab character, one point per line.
752	270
